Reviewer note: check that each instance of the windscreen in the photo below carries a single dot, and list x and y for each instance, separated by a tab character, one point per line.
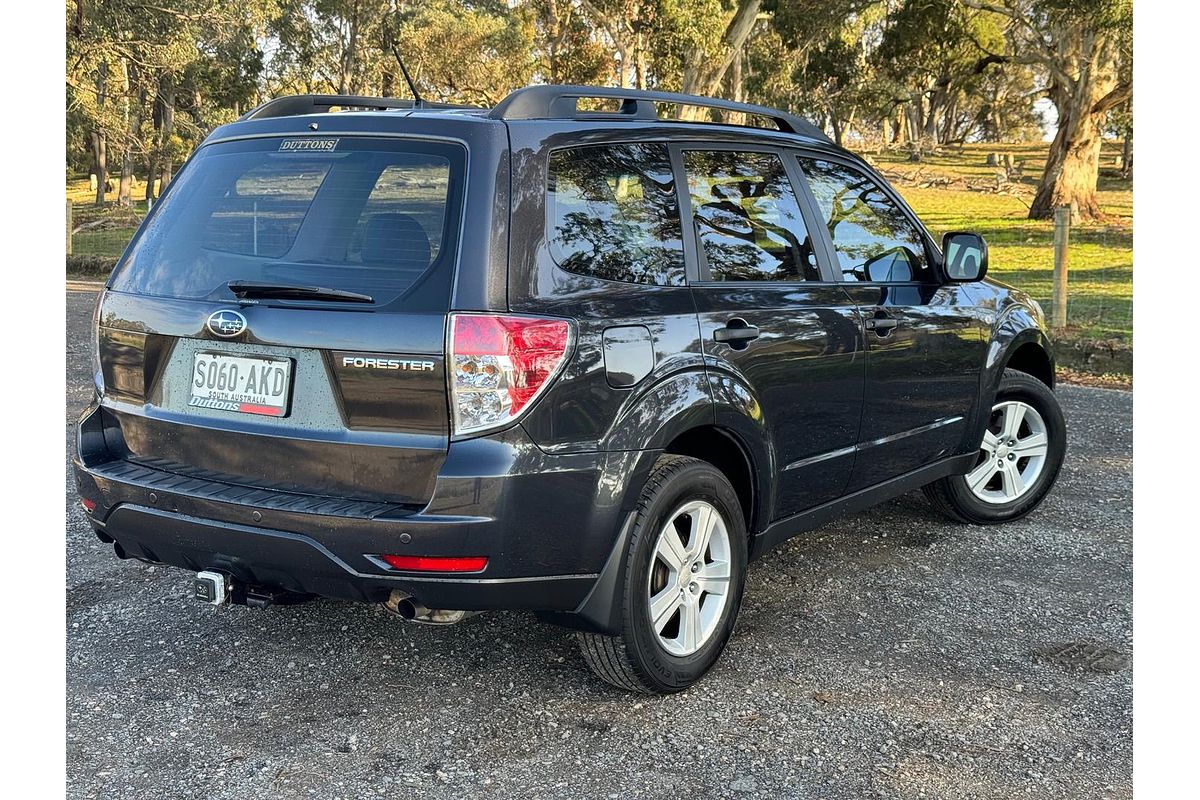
368	215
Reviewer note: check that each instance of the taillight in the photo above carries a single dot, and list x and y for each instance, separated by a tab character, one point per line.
500	364
436	563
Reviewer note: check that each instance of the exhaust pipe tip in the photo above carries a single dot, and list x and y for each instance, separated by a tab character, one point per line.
407	609
404	606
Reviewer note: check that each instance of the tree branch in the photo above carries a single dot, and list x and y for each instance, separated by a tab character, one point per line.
1116	97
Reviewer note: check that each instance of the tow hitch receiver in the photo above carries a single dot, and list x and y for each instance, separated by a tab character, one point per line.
212	588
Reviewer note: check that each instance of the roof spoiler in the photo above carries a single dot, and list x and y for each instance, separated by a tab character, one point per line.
296	105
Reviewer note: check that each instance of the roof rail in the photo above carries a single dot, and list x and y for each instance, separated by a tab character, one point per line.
561	102
295	105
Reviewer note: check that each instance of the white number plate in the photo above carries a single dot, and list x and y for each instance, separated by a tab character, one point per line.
251	385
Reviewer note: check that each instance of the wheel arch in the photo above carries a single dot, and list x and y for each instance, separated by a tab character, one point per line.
1032	358
723	449
1017	343
723	430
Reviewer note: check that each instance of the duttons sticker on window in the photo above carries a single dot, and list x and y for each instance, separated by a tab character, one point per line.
298	145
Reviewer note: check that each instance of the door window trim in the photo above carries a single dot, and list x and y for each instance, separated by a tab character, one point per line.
933	253
698	267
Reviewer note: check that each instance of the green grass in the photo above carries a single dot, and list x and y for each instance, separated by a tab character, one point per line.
1100	255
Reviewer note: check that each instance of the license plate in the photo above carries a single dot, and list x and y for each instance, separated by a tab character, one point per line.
248	384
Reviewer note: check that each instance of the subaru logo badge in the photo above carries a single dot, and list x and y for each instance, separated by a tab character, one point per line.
226	323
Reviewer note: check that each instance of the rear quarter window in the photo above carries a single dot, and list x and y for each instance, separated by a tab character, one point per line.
614	214
374	216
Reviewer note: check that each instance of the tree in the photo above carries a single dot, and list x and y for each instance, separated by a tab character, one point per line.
705	67
1083	47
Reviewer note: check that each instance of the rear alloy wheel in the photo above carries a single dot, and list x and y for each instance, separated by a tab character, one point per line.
684	567
688	587
1018	460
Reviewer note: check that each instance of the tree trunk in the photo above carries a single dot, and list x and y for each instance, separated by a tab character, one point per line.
99	140
346	78
168	130
1071	168
703	73
155	115
737	89
1127	157
1073	165
132	129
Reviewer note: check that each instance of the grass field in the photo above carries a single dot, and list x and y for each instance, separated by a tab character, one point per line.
1100	257
952	190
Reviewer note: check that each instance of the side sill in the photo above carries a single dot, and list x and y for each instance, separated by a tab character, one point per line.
782	530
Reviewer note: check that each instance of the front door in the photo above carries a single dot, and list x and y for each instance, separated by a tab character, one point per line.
925	348
773	319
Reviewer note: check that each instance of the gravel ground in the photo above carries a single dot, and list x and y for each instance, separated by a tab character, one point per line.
890	654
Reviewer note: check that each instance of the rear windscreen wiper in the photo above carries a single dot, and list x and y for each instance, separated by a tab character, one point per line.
284	290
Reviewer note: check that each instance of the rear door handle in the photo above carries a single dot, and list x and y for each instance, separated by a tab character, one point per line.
736	333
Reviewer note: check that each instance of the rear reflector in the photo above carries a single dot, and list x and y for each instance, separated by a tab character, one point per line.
88	505
499	364
436	563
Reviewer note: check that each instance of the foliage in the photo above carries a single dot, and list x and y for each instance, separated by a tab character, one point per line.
145	81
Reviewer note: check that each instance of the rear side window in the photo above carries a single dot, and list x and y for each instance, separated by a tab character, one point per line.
747	219
374	216
614	214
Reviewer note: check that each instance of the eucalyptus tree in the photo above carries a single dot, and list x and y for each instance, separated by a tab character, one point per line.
1084	49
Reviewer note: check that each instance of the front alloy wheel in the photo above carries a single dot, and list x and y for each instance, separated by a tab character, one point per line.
1018	460
1012	454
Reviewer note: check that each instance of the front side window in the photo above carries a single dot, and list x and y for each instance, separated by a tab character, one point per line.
747	219
613	214
874	239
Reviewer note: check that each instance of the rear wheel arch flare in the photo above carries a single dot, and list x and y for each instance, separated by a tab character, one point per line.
722	449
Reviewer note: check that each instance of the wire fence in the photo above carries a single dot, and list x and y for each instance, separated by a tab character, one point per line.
1096	265
101	232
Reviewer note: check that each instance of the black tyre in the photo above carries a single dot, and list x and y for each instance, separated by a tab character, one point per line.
685	566
1019	458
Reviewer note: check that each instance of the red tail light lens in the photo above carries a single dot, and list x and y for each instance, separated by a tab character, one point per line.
436	563
499	364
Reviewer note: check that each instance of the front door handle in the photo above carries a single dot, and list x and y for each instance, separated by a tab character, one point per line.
881	323
737	333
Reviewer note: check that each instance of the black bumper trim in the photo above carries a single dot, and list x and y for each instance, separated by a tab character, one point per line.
298	563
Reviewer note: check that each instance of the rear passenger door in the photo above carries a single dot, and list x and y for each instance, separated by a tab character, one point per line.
925	348
772	317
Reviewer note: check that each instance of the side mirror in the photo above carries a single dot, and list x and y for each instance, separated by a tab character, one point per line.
966	256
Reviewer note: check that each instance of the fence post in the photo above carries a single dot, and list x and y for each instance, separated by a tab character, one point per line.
70	209
1062	235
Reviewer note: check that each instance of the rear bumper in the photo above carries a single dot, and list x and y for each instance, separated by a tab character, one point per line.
546	523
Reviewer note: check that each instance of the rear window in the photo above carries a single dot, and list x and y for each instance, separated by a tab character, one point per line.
374	216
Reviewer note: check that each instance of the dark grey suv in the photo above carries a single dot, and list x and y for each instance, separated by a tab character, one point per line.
587	363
